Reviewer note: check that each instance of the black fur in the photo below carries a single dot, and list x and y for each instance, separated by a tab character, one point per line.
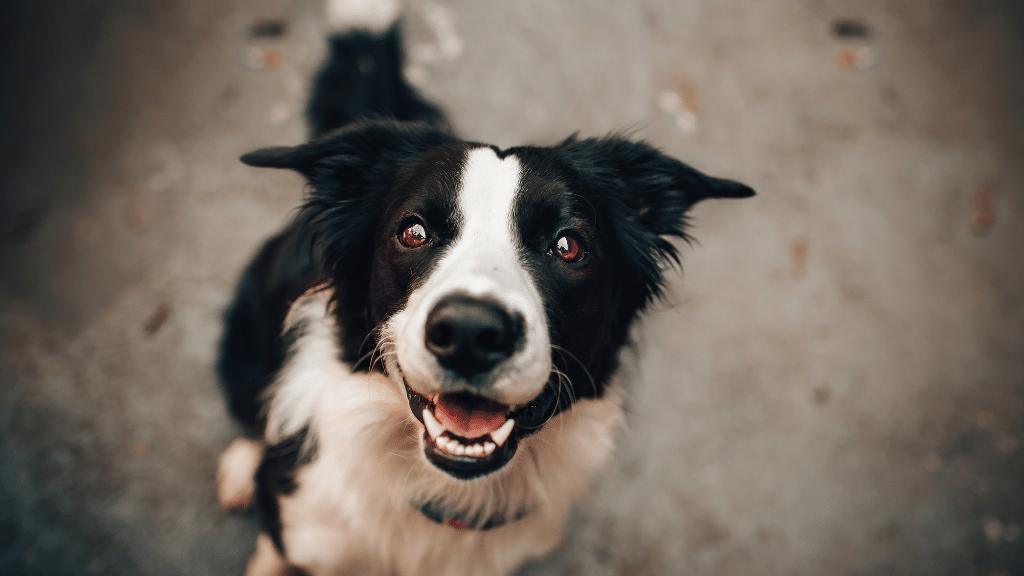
276	477
252	348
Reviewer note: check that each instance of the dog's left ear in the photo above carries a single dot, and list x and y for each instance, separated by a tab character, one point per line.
650	194
659	189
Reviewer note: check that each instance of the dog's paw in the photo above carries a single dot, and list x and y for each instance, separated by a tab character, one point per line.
373	15
265	561
236	474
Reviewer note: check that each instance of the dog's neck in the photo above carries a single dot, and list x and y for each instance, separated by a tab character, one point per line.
441	512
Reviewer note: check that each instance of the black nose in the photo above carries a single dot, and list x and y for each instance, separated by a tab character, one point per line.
470	336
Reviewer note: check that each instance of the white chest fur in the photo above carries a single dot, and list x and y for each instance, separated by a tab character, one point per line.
354	507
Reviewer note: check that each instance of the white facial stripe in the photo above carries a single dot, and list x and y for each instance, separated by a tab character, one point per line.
485	256
488	189
482	262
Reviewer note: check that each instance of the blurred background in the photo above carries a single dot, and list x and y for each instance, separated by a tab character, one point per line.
836	387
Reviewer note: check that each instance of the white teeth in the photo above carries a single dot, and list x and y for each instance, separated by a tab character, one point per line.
434	427
501	434
452	446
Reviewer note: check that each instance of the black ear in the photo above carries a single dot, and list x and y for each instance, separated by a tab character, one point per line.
660	189
354	148
300	158
649	195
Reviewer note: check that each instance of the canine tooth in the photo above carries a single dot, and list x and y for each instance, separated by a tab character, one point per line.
501	434
488	448
434	427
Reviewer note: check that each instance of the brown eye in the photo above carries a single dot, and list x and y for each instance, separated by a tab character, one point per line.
414	236
569	249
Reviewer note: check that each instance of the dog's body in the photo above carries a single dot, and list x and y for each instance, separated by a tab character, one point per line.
426	358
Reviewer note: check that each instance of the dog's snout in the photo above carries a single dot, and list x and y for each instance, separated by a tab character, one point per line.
470	336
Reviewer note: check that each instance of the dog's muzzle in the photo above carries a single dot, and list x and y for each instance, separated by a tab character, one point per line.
466	433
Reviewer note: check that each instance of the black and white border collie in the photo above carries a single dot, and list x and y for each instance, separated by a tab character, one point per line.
425	360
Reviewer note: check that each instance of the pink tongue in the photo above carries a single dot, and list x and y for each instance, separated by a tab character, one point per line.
469	416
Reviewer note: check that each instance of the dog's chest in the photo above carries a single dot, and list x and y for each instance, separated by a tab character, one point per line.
356	504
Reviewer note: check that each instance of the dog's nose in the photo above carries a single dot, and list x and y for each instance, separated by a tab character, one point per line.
470	336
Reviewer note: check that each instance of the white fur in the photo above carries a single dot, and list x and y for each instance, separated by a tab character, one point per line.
236	473
482	262
373	15
355	509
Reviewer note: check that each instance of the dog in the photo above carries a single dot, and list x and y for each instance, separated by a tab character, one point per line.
426	359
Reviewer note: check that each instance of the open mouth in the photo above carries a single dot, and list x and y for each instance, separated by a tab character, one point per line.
467	435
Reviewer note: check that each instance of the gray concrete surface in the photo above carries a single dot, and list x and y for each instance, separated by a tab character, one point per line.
836	387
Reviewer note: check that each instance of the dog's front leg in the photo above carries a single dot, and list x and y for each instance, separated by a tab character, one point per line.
236	474
266	561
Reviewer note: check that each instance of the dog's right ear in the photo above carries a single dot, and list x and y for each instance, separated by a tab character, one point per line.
352	150
299	158
350	172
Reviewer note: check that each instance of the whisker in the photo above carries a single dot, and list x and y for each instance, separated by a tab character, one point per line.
568	388
384	349
368	354
369	335
578	361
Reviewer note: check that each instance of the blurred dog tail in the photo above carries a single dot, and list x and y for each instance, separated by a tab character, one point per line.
363	74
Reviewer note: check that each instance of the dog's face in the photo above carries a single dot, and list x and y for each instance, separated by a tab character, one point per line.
496	286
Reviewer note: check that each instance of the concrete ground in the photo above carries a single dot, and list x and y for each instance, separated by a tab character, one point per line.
836	388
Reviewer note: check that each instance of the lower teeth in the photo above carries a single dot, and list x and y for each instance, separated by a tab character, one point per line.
452	446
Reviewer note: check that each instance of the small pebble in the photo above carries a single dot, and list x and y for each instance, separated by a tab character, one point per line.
844	28
156	320
984	211
268	29
257	58
993	529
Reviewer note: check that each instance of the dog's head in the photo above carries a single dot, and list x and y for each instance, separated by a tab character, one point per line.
496	286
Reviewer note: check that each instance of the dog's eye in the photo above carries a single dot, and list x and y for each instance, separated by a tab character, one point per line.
414	236
568	248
